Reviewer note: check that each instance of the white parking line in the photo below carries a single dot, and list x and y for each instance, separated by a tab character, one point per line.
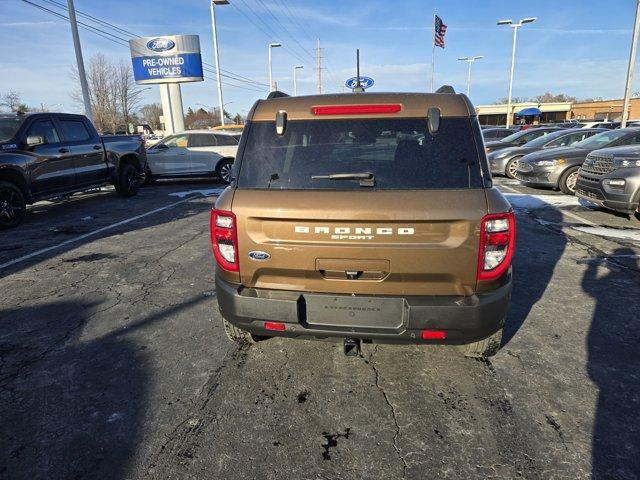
90	234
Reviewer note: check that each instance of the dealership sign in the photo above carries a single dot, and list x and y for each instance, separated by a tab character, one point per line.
166	59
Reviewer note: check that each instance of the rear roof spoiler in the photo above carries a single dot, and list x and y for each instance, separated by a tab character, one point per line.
276	94
446	89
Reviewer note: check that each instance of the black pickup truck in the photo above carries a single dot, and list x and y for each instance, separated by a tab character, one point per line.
49	155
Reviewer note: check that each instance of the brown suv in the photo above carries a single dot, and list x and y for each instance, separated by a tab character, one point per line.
369	217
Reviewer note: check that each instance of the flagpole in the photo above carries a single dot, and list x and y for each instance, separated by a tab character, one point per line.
433	49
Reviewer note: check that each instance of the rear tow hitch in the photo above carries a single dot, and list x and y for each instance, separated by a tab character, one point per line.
351	347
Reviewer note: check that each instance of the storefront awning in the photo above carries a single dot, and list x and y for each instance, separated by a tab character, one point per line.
529	111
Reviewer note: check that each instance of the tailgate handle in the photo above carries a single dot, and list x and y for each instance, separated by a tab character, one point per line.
352	269
353	274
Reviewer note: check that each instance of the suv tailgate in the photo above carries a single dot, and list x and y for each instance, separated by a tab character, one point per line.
413	242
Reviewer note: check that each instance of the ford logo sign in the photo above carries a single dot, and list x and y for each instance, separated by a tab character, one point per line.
365	82
160	44
259	256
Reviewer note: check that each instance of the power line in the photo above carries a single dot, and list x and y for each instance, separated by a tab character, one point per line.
285	29
121	41
272	35
224	72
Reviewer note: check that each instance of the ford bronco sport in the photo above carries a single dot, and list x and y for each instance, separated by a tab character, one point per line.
367	217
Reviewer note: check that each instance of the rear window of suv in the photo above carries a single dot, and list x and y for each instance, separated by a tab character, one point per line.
399	153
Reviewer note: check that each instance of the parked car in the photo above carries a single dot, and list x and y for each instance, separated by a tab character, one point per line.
49	155
194	153
610	178
496	133
602	124
558	168
518	139
505	161
343	224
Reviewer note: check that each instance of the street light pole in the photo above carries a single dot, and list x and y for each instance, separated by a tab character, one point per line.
515	27
470	60
295	79
78	48
217	55
271	46
632	61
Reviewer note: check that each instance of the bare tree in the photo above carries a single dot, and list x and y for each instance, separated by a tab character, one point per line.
11	100
113	93
151	113
127	92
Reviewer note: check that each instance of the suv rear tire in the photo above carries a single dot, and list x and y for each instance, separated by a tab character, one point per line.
13	207
568	181
128	180
484	348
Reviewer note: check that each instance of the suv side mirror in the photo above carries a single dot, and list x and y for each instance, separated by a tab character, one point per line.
35	140
433	120
162	146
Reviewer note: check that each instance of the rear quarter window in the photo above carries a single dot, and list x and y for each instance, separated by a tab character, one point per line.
399	153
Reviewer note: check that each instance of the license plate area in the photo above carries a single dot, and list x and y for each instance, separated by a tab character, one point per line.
354	312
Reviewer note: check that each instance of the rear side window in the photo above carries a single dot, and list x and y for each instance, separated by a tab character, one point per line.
74	130
202	140
397	152
226	140
44	129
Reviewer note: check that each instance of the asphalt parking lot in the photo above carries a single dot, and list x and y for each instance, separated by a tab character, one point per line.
114	363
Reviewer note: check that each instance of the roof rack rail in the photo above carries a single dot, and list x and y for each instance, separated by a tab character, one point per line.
276	94
446	89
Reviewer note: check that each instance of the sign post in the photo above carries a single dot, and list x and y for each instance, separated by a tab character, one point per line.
168	60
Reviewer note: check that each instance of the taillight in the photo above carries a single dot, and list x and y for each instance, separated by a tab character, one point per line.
224	239
497	245
356	109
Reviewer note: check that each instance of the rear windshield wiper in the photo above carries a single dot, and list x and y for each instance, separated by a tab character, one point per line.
365	179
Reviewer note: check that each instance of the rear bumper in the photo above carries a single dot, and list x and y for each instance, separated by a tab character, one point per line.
464	319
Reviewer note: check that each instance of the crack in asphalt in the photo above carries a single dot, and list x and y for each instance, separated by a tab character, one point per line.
393	412
180	440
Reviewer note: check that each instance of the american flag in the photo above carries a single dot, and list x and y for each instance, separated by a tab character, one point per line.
440	30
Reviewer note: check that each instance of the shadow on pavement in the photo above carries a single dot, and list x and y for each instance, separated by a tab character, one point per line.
538	250
614	365
72	408
48	230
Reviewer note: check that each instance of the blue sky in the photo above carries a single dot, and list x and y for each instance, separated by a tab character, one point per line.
575	47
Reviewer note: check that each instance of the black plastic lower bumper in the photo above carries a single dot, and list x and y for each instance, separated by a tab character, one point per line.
378	318
595	192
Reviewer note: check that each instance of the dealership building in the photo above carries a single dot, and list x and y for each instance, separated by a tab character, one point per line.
533	112
549	112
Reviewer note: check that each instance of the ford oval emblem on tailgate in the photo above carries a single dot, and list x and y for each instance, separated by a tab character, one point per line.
260	256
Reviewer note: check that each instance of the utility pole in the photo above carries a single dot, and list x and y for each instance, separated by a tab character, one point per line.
81	73
632	61
217	55
319	67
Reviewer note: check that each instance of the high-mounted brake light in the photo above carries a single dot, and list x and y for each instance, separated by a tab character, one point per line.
497	245
356	109
224	239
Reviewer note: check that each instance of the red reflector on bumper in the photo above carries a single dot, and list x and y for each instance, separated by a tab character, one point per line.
278	327
434	334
